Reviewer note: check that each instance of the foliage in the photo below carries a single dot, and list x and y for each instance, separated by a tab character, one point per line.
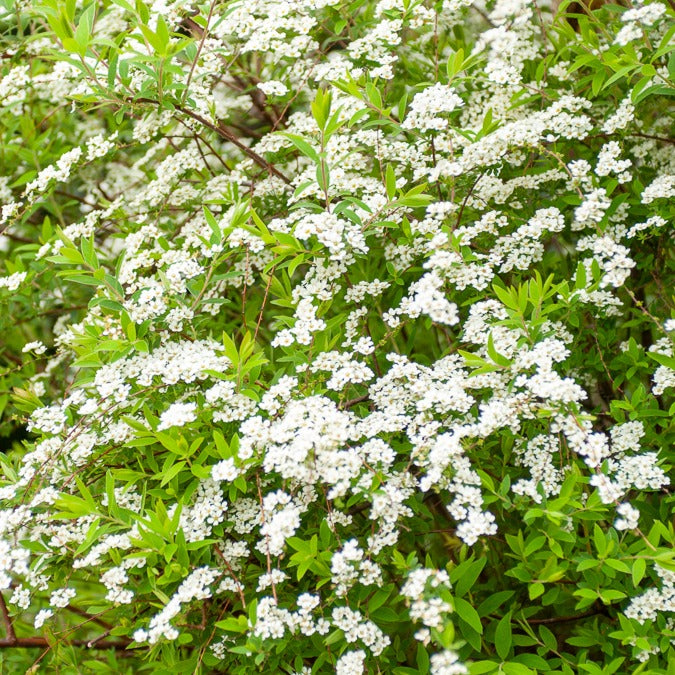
337	336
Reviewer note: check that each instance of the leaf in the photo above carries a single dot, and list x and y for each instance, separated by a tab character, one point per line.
466	574
664	360
163	36
390	180
422	660
535	590
480	667
503	636
468	614
217	235
172	472
498	358
455	63
618	565
494	601
548	638
599	540
374	95
638	571
304	147
321	107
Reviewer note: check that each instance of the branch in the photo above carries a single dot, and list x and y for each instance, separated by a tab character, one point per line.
228	135
6	643
353	401
96	643
223	133
563	619
89	617
7	621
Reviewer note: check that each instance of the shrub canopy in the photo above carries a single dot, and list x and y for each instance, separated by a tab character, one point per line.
337	336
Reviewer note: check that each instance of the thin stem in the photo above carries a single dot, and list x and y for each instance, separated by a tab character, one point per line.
7	621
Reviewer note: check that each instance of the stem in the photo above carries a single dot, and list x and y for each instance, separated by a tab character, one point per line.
7	621
43	642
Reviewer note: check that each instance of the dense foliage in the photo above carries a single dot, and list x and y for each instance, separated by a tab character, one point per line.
337	336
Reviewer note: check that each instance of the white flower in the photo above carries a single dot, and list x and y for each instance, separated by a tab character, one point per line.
13	281
42	616
177	415
629	517
351	663
225	470
62	597
427	105
273	88
36	346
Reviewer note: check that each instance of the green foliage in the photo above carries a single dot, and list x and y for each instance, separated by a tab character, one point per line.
392	304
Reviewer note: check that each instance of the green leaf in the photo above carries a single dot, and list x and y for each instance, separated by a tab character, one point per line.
548	638
422	660
503	636
535	590
638	571
163	36
599	540
304	147
468	614
465	575
390	181
321	107
172	472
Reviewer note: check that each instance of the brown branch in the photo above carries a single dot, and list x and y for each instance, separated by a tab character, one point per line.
233	575
43	642
353	401
563	619
89	617
223	132
264	302
228	135
663	139
7	621
466	199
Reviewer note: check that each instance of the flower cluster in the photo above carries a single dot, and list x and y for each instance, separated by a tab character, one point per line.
337	337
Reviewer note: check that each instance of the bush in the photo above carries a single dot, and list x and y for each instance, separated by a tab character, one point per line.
337	337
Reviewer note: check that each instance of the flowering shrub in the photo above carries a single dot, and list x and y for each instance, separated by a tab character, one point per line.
337	336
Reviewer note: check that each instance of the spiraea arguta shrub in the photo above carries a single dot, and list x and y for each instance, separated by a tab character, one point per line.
337	336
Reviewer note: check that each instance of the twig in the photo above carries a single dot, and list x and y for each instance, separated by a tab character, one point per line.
7	621
353	401
267	538
466	199
232	574
89	617
264	302
225	133
199	51
43	642
564	619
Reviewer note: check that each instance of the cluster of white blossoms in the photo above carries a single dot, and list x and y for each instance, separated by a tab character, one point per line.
431	611
349	567
210	360
57	172
273	621
647	606
426	107
195	587
637	19
629	517
664	375
177	415
13	281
